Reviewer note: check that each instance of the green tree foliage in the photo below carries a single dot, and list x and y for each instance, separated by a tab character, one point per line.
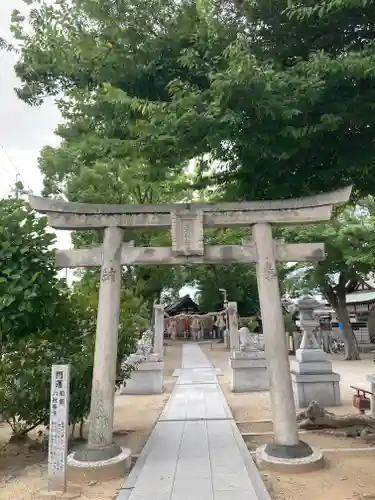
133	321
289	324
350	255
239	280
279	98
272	100
29	289
88	168
4	45
133	311
43	322
25	369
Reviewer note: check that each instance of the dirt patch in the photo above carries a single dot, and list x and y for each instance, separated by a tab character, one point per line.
255	426
23	467
346	476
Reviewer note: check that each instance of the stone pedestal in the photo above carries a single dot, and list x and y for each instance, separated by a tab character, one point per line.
147	378
313	379
249	371
371	379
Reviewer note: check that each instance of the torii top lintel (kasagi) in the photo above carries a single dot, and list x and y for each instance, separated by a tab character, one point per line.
73	216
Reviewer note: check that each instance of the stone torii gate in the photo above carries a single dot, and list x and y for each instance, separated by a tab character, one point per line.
187	222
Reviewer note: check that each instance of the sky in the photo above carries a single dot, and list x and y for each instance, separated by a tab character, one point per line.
24	129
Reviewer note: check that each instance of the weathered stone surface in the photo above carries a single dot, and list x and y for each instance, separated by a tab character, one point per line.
266	460
73	221
45	205
300	450
313	379
234	338
146	379
321	387
95	454
145	344
282	402
58	428
310	355
249	365
311	368
158	347
249	374
80	471
66	215
104	374
308	252
309	341
187	232
154	357
248	355
312	375
248	341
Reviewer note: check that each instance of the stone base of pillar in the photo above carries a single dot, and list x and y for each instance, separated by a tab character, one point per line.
81	471
147	379
289	459
314	380
249	372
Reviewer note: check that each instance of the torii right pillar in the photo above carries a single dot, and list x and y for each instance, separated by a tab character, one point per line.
287	452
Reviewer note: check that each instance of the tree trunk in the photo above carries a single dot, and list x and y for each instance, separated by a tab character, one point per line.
337	298
317	417
350	341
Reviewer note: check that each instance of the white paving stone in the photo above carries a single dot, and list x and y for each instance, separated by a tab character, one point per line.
195	451
194	357
188	376
196	401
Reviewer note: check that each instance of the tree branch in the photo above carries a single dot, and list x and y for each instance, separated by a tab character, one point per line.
341	285
329	294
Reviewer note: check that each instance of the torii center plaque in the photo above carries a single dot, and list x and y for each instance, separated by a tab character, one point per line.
187	232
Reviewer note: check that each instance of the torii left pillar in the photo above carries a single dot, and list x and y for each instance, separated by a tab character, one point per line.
100	446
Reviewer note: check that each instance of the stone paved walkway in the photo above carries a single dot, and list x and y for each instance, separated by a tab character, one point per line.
195	451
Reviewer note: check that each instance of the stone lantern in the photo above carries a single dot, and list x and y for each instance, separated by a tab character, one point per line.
308	322
312	375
